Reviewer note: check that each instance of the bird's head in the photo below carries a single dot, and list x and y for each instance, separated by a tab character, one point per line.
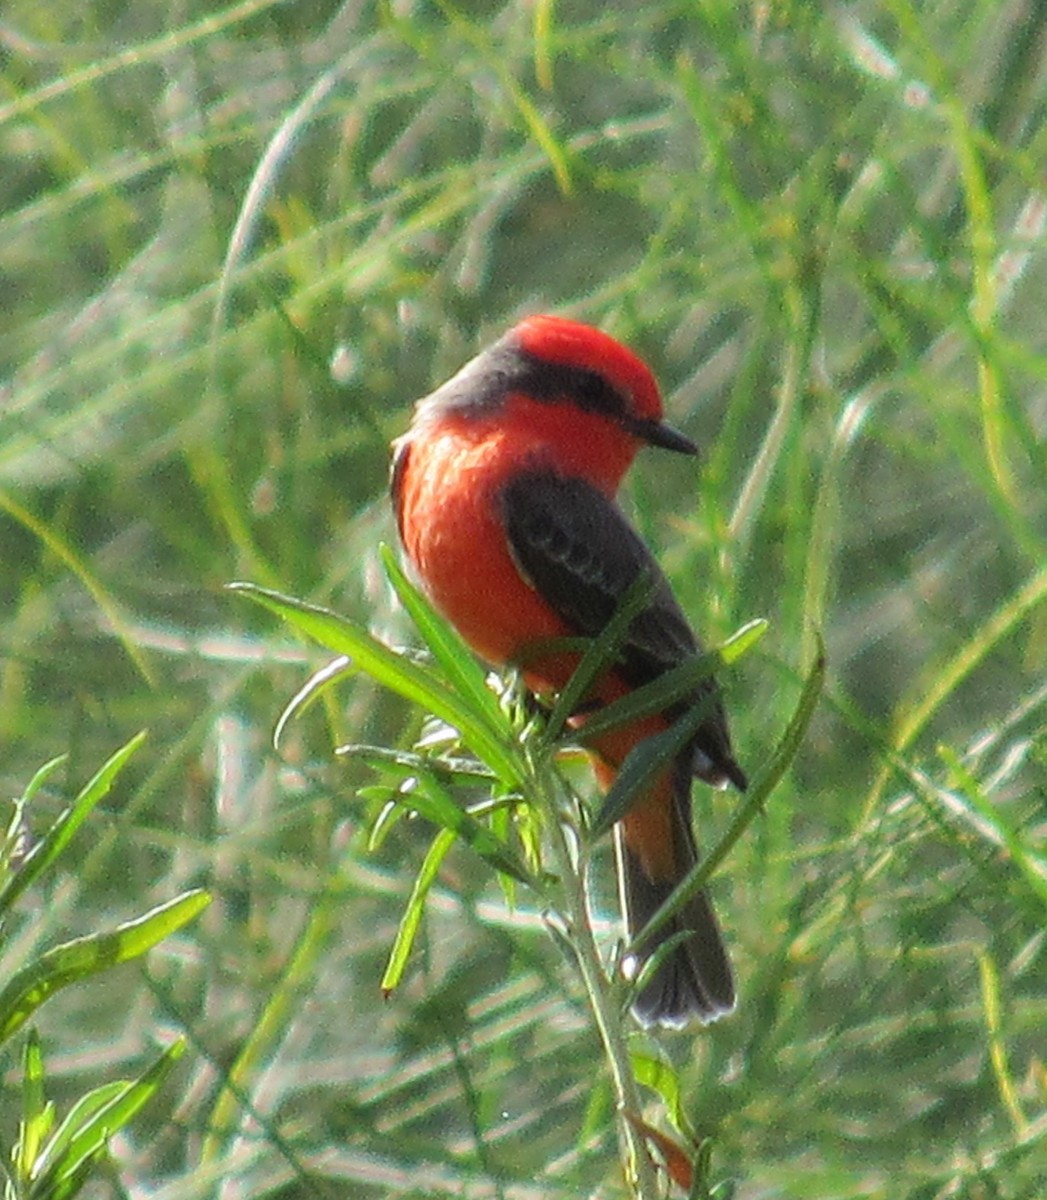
570	390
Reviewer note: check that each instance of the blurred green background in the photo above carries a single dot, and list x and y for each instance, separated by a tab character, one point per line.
235	245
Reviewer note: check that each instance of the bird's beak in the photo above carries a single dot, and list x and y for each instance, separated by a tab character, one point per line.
657	433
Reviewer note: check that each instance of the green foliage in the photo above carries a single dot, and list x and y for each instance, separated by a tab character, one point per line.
522	780
235	245
54	1163
50	1162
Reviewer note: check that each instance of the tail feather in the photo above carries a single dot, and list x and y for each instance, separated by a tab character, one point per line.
695	980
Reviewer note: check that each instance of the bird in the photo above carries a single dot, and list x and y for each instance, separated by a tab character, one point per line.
504	488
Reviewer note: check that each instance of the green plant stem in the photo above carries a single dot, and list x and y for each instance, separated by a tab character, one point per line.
639	1170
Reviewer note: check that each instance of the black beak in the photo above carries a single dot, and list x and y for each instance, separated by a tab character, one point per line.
657	433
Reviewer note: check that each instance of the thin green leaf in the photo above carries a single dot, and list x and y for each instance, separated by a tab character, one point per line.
600	654
431	800
28	988
314	687
391	814
458	662
85	1132
37	1115
992	822
755	798
451	772
67	553
742	640
914	718
541	30
533	120
72	1182
41	777
139	1092
45	853
702	1164
15	842
412	918
394	671
644	762
673	687
54	1161
661	1078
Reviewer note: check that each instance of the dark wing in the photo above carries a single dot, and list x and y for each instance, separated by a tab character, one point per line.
576	549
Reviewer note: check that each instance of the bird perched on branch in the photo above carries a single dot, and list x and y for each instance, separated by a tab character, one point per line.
504	490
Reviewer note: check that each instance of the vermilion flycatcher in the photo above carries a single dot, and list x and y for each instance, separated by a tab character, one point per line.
504	495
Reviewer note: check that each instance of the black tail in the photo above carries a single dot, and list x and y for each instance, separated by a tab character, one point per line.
695	981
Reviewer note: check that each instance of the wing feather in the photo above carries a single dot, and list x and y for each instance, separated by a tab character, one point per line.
575	547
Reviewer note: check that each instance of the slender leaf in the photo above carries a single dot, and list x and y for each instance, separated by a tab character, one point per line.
37	1115
72	1182
755	798
431	800
314	687
412	918
41	777
397	672
66	552
600	654
671	688
28	988
660	1077
644	762
457	661
392	813
1018	605
452	772
54	1156
85	1132
45	853
1010	1092
991	821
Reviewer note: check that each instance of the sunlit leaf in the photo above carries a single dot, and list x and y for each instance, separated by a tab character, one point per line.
412	918
397	672
674	686
72	961
44	854
658	1075
92	1121
455	658
314	687
37	1115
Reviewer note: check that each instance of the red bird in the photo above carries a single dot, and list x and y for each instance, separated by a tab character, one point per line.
504	495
